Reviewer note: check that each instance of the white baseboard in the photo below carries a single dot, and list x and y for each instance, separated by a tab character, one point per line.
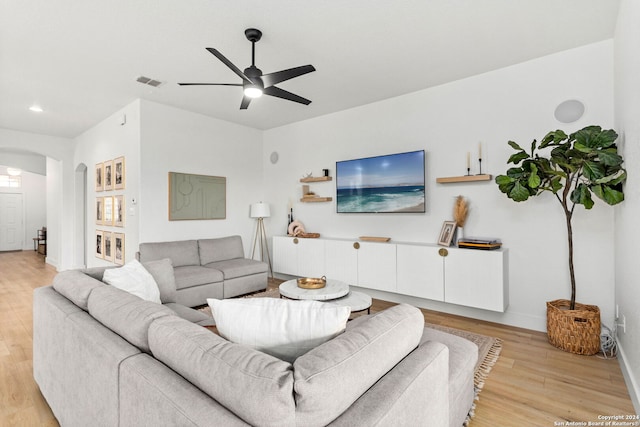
630	381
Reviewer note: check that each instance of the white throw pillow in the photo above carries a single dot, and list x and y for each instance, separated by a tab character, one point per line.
282	328
135	279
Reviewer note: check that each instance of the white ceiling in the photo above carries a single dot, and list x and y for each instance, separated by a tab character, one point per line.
79	59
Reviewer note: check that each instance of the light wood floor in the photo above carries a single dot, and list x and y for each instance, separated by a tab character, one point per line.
532	384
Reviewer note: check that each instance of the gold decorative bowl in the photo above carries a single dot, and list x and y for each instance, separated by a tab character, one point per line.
312	283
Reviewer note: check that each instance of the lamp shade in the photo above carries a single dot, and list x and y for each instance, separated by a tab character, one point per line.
260	210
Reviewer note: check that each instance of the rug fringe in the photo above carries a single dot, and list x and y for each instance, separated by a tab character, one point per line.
481	375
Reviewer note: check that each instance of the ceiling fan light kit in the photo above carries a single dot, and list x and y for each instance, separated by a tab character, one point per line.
254	83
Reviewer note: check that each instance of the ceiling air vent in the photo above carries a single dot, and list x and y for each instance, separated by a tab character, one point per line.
148	81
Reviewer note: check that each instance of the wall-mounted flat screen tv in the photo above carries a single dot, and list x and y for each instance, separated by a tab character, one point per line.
382	184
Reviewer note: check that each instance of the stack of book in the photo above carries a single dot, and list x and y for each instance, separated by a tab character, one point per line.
479	243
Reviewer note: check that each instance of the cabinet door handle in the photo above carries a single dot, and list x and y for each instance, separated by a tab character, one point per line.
295	241
356	245
443	252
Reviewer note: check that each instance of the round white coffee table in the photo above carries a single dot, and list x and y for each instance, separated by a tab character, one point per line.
333	290
358	301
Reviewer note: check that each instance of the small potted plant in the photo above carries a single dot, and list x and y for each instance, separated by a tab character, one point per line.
572	167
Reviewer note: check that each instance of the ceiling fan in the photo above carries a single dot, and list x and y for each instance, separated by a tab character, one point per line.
254	83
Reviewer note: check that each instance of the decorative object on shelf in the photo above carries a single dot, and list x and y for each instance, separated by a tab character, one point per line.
312	282
295	228
374	239
325	172
307	175
479	243
309	196
260	211
447	233
578	165
460	213
468	163
289	215
480	158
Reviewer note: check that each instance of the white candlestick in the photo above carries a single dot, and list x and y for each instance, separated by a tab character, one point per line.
468	160
479	150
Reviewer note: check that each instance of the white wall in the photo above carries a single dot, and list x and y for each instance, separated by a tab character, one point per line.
174	140
106	141
627	109
447	121
59	152
34	190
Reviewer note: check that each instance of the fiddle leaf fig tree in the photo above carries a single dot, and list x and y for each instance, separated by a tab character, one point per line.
573	167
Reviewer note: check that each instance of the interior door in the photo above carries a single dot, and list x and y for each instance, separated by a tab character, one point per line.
11	225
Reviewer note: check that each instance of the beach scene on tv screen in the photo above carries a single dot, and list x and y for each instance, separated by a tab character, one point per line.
383	184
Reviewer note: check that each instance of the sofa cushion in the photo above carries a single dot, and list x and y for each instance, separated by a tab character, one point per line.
181	253
95	272
239	267
195	275
125	314
162	272
135	279
255	386
76	286
463	356
356	360
224	248
282	328
193	316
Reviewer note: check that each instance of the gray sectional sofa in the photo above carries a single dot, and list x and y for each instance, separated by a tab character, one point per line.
208	268
103	357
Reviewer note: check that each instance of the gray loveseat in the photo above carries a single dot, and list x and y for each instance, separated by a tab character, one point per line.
208	268
103	357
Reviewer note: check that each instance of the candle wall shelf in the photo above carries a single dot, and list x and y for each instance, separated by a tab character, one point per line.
464	178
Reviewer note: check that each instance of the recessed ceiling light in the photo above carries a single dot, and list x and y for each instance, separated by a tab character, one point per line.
36	109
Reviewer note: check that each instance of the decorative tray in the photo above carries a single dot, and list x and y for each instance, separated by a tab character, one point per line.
312	283
375	239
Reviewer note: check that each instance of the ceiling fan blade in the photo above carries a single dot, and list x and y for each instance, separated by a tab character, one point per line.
281	93
228	63
245	102
280	76
210	84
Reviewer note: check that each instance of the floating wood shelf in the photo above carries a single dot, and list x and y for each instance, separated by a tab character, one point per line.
316	199
464	178
316	179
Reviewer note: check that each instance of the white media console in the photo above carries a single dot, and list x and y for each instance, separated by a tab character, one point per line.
472	278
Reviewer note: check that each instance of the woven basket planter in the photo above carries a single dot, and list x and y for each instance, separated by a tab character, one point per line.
576	331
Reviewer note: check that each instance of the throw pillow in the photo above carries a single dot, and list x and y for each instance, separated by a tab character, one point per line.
135	279
282	328
162	272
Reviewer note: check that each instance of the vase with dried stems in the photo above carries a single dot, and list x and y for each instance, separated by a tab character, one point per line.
460	213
